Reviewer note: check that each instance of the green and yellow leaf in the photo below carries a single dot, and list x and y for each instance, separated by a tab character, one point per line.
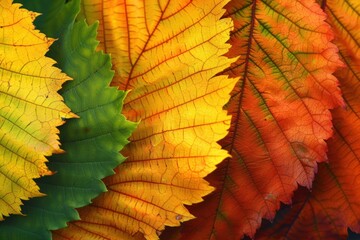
91	142
30	107
167	53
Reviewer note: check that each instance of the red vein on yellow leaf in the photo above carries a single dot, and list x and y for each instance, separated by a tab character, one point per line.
135	161
111	211
158	65
144	47
139	199
146	22
183	104
150	183
174	36
92	232
184	6
175	129
146	94
78	225
128	38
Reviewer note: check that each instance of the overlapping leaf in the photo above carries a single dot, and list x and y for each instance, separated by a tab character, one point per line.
30	107
333	204
280	112
167	52
92	142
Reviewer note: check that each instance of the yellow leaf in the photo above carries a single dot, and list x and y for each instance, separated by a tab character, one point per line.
167	53
30	107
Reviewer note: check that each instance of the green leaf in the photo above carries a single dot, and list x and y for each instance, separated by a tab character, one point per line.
56	15
92	142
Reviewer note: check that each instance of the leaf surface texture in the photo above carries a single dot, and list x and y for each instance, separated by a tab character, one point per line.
333	204
281	116
91	142
30	107
167	53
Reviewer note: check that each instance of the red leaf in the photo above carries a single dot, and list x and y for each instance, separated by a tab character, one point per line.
333	205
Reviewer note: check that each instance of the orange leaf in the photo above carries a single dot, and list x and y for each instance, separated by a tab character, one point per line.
167	53
280	112
333	204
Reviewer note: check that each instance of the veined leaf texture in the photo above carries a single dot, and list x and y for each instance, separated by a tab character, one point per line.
333	204
281	116
283	125
91	142
167	53
30	109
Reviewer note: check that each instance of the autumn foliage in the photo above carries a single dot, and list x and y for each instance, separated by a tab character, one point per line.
183	119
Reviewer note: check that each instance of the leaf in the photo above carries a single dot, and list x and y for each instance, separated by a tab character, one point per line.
333	204
303	206
167	53
31	108
280	112
92	142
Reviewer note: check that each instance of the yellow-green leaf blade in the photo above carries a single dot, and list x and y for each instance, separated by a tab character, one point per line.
30	107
